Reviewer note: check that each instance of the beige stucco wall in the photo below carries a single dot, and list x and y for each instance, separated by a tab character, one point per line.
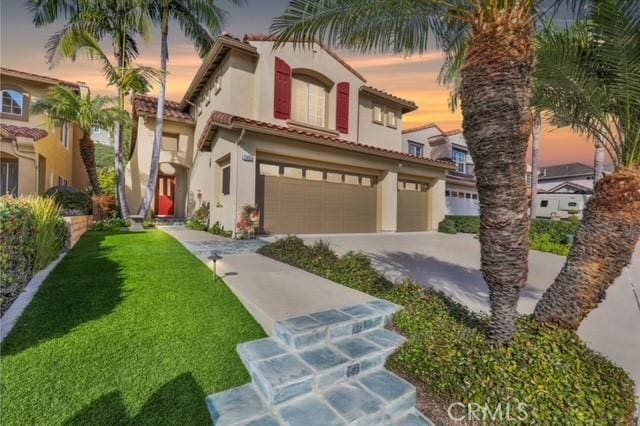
175	163
252	147
379	134
247	90
60	161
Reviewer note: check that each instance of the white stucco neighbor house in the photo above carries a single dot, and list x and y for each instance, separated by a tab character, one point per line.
431	141
297	133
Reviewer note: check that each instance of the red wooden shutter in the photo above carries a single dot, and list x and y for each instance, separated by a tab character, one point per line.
342	108
282	92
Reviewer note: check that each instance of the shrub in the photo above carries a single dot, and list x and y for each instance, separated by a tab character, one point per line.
218	229
107	180
32	233
447	226
72	201
200	219
466	224
559	231
111	224
52	233
17	247
543	243
448	353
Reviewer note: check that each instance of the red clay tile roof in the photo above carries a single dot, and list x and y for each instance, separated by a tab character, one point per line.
218	118
146	106
36	77
8	130
423	127
408	105
334	55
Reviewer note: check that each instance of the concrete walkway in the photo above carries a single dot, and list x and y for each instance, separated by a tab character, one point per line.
451	263
268	289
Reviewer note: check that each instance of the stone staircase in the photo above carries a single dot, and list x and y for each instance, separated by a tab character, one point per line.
322	369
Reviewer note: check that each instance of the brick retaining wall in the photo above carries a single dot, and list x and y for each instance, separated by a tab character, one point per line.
77	226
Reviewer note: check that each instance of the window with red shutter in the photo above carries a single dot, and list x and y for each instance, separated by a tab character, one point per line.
342	108
282	92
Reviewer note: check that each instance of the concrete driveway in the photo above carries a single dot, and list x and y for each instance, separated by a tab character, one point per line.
451	263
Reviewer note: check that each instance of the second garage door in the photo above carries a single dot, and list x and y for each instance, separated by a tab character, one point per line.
412	207
297	200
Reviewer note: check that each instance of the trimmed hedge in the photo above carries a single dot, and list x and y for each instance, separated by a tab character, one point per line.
32	233
552	371
72	201
546	235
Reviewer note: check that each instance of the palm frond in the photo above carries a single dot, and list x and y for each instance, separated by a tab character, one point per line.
367	25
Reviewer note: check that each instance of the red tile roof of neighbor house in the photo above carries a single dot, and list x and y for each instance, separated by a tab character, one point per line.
268	37
422	127
147	106
36	77
10	131
218	118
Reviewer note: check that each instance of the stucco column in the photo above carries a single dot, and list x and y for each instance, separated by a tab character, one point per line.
437	203
245	179
388	201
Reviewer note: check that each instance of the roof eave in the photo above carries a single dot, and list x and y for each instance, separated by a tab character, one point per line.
407	106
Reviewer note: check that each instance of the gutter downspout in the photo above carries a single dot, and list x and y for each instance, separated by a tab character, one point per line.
36	166
235	166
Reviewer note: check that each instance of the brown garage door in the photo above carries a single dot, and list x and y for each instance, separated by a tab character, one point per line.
412	207
297	200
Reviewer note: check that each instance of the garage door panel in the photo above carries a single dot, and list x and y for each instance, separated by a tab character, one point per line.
309	206
412	211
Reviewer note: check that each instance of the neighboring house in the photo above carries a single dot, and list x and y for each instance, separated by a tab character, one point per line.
554	178
35	157
102	136
430	141
296	132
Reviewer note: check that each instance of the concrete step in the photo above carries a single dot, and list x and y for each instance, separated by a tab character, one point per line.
309	330
325	368
379	398
282	374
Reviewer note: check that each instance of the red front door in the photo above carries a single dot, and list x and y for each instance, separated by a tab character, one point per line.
165	195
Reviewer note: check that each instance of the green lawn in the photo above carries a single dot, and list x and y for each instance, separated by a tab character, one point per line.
129	329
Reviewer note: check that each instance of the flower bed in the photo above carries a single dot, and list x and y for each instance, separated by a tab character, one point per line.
448	355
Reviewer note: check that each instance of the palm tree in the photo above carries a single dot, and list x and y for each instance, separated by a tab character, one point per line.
199	21
119	20
493	40
588	78
63	105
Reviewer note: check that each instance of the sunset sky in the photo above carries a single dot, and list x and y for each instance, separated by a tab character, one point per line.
413	77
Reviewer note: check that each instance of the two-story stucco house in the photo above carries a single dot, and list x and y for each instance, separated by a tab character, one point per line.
298	133
35	157
431	141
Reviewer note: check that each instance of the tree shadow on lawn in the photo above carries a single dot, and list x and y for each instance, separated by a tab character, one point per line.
463	284
179	401
85	286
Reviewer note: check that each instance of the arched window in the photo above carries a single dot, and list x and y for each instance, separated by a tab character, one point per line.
310	97
12	102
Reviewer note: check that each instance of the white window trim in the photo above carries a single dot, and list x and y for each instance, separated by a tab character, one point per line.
373	114
458	163
390	114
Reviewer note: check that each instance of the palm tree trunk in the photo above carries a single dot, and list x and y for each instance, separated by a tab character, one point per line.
535	164
119	163
157	141
88	154
604	245
497	124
